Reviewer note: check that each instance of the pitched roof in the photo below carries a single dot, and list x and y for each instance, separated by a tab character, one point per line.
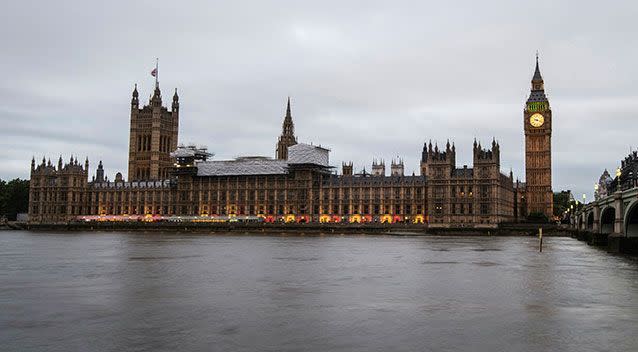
308	154
297	154
242	166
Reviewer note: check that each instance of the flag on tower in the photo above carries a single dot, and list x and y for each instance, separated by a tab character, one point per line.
154	73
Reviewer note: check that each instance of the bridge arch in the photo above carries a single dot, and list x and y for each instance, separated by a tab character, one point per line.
607	218
631	220
590	221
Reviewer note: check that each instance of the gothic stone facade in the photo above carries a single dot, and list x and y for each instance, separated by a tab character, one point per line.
58	194
476	196
298	181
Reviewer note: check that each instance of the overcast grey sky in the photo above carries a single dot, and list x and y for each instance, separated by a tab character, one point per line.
367	79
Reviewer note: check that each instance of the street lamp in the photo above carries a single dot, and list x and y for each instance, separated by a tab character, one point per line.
618	173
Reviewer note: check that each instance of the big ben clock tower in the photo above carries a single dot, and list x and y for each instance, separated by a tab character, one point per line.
537	119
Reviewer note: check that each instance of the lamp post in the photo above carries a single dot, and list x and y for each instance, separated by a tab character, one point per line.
595	191
618	173
584	198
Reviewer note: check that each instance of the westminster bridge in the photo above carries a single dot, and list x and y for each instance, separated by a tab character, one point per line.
616	213
615	208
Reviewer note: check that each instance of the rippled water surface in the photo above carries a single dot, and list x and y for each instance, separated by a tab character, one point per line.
176	292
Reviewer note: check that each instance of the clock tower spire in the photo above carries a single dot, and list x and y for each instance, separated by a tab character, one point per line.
537	122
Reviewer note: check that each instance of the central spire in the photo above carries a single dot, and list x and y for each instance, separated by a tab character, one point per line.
288	126
287	137
288	114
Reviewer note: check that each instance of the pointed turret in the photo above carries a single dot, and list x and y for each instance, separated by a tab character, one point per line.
424	152
99	173
32	163
175	101
156	98
86	164
60	163
135	101
397	167
346	168
157	94
378	168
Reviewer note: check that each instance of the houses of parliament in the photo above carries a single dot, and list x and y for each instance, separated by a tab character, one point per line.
165	179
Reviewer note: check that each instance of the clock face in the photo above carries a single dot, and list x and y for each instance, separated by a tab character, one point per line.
536	120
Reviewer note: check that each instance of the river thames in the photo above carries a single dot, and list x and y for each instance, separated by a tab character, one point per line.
179	292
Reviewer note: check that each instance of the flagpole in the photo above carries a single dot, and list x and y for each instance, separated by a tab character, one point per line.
156	72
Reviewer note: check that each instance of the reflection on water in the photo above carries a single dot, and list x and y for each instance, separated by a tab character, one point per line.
161	292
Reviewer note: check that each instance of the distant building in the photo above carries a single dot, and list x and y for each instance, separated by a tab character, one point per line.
165	179
59	193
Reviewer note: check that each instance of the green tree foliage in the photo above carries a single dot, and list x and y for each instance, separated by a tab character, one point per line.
14	198
3	203
561	202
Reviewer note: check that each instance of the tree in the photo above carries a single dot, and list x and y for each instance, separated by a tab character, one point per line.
14	198
3	200
561	202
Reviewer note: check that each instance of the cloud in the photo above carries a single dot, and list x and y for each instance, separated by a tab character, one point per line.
368	79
